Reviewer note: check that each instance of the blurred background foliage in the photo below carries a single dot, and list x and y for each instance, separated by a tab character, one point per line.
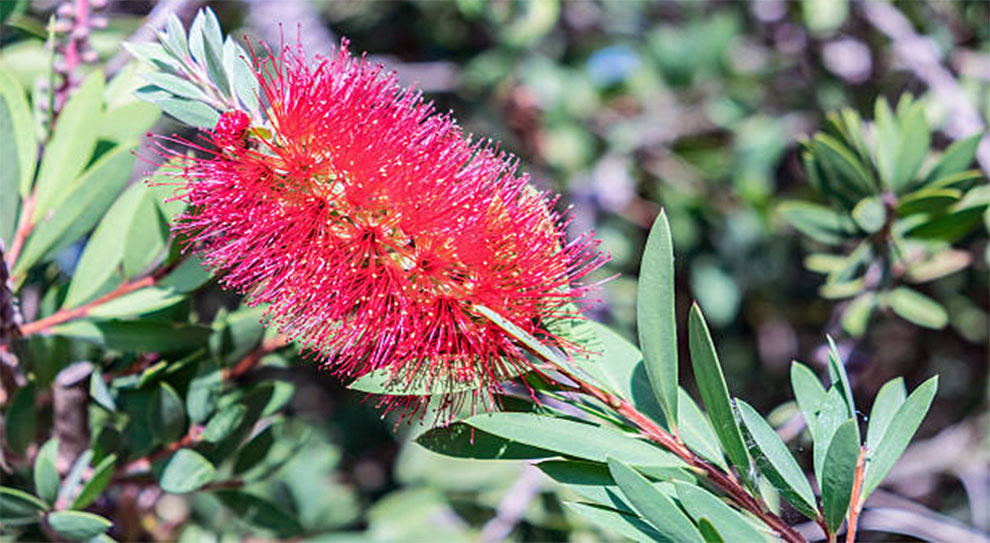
624	107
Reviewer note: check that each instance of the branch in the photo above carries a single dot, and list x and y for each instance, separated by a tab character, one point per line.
65	315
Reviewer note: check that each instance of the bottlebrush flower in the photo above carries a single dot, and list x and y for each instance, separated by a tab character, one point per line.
371	227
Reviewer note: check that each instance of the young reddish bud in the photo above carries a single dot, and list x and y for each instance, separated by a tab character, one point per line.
230	128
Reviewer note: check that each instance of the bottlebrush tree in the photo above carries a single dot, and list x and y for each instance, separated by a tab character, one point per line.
365	230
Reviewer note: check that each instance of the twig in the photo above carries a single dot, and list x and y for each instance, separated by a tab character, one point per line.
921	57
251	360
855	505
192	437
65	315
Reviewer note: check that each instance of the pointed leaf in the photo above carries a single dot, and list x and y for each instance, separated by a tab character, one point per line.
185	472
832	414
889	399
621	523
776	462
655	316
78	525
899	433
818	222
697	432
20	131
657	508
732	525
19	507
956	158
809	393
46	478
714	392
572	438
838	376
839	472
97	482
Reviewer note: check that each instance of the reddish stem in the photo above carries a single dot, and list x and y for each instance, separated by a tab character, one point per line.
24	227
65	315
251	360
655	433
855	504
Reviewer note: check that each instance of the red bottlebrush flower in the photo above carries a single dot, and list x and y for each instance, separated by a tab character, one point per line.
371	227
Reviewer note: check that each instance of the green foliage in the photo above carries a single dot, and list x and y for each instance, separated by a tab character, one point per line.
897	214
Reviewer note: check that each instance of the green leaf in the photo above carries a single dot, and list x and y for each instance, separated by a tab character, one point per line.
99	391
776	462
206	46
592	481
240	70
176	86
817	222
21	419
708	531
463	441
832	414
656	318
857	315
912	147
839	378
839	473
186	472
915	307
656	507
949	227
732	525
175	37
77	525
223	423
254	451
139	302
714	392
86	204
97	482
846	173
128	122
870	214
71	484
19	127
898	435
809	393
46	478
962	180
71	145
956	158
259	512
145	237
166	415
889	399
942	263
626	525
203	390
9	177
928	201
19	507
102	256
572	438
697	432
136	336
189	112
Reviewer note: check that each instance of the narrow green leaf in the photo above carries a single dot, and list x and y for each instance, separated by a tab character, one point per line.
899	433
776	462
912	147
708	531
185	472
175	37
223	423
71	144
260	512
135	303
243	82
928	201
10	198
657	508
656	318
839	472
105	250
593	481
809	393
838	376
137	336
166	414
20	129
889	399
840	164
190	112
621	523
145	237
86	204
818	222
460	440
949	227
714	392
858	312
129	121
73	479
97	482
956	158
254	451
732	525
832	414
572	438
962	180
203	391
915	307
176	86
77	525
19	507
46	478
697	432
